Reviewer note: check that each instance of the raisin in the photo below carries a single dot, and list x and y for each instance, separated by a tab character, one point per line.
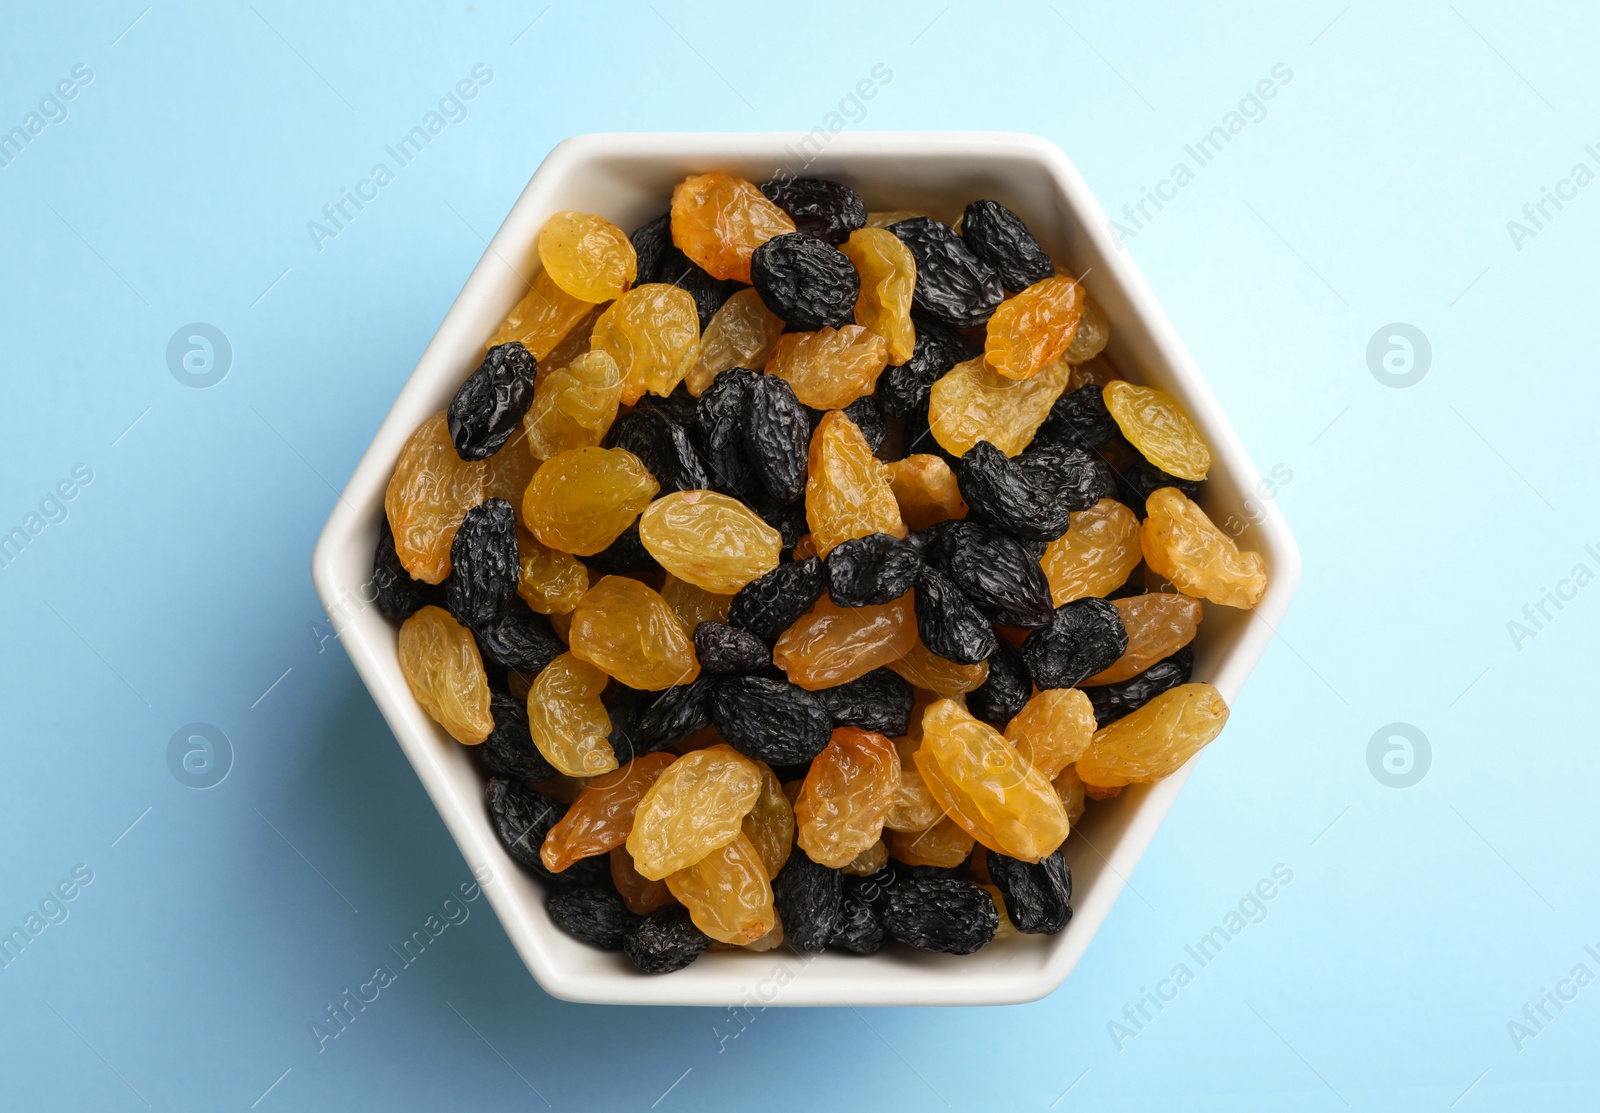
1032	496
867	415
1071	790
999	576
718	221
1096	554
1053	730
847	491
483	564
430	492
1180	542
639	893
727	893
709	540
396	593
830	367
948	623
486	409
860	932
1084	637
642	722
771	604
846	795
806	282
939	914
720	416
1154	741
596	916
825	209
602	815
997	235
664	941
953	286
663	447
587	256
972	403
943	844
1037	895
521	639
914	809
442	667
521	818
545	315
1158	624
582	500
926	490
879	701
573	405
1138	479
869	861
693	808
905	387
770	719
566	719
770	823
661	261
871	570
722	649
777	435
653	332
1034	328
1078	419
830	645
509	749
1113	701
628	631
626	555
927	670
1005	690
740	334
809	898
1156	425
888	274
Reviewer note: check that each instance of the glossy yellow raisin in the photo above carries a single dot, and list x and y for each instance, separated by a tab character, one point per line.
987	787
1152	742
627	631
1181	543
926	490
770	941
924	668
542	318
1095	792
602	815
848	493
441	665
583	499
587	256
549	581
1034	328
971	403
888	273
573	406
770	824
914	808
727	893
1069	787
566	719
1156	425
832	367
1096	554
639	893
694	605
1053	729
943	843
1158	626
430	492
740	334
709	540
509	472
869	861
696	806
847	793
653	332
718	221
1093	331
831	645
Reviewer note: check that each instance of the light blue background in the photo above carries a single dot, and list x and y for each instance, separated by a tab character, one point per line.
1377	189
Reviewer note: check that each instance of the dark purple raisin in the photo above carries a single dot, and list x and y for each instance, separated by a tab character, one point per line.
522	818
948	623
904	388
595	915
1113	701
723	648
1006	689
666	940
663	447
397	594
777	434
1079	419
808	898
1086	636
999	576
624	556
483	564
521	639
1038	895
490	404
939	914
720	416
643	722
1033	495
1140	479
954	286
805	282
509	749
659	260
871	571
770	719
997	235
827	210
770	604
788	518
879	701
867	415
860	931
680	407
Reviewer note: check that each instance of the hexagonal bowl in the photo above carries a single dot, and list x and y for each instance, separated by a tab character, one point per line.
629	178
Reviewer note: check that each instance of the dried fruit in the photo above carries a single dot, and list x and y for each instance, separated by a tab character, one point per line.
1034	328
720	415
718	221
914	809
582	500
509	749
542	318
624	556
999	576
694	807
597	916
653	332
520	639
869	861
727	892
825	209
871	570
641	895
948	624
1005	690
663	447
971	403
693	604
879	701
770	824
549	580
997	235
1157	426
574	405
1155	740
859	932
721	648
846	795
1113	701
628	631
1158	626
602	815
1094	331
709	540
769	719
485	410
928	670
940	914
777	436
769	605
587	256
740	334
1038	895
1096	554
1053	730
566	719
1180	542
1078	419
397	594
905	388
1069	787
943	844
830	645
926	490
442	667
430	492
1033	495
1084	637
953	286
831	367
806	282
665	941
483	564
888	275
868	416
521	817
847	492
809	898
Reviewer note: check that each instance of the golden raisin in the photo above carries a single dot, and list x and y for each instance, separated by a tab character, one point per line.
971	403
1096	554
727	893
627	631
869	861
1156	425
566	719
709	540
1181	543
1034	328
694	807
602	816
441	665
573	406
549	580
1053	729
639	893
943	843
926	490
583	499
1152	742
829	368
831	645
1095	792
740	334
718	221
694	605
587	256
847	489
770	824
1094	329
430	492
847	793
1069	786
1158	626
542	318
914	808
1097	370
888	274
653	332
509	472
924	668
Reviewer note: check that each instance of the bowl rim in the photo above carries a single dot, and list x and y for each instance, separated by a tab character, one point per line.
842	980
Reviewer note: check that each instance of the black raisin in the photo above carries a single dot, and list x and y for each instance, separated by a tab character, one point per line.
522	818
664	941
483	564
948	623
770	719
954	286
807	283
867	415
940	914
879	701
1140	479
808	898
1113	701
521	639
1084	637
905	388
659	260
769	605
870	571
490	404
788	518
595	915
680	407
663	446
624	556
720	416
643	722
777	434
1079	419
1038	895
860	931
723	648
509	749
1006	689
998	575
997	235
827	210
940	540
1033	495
397	594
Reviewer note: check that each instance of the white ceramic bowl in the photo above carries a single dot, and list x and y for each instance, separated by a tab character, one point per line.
629	178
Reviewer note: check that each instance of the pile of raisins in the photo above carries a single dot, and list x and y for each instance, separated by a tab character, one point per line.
797	572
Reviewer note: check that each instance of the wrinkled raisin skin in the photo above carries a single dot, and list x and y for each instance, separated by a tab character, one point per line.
727	649
1000	576
770	605
997	235
595	915
939	914
720	415
1113	701
777	435
905	388
948	623
664	941
870	571
1006	689
663	446
1038	895
490	404
860	930
954	286
867	415
509	749
483	564
521	639
1078	419
1032	496
659	260
1084	637
398	594
770	719
825	209
809	898
806	282
879	701
522	818
644	722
